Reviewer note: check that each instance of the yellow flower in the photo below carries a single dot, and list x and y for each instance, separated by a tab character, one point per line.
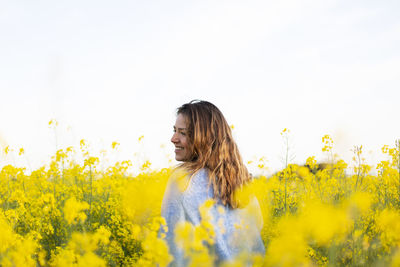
73	211
115	145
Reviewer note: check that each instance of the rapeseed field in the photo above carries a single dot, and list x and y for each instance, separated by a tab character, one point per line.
72	213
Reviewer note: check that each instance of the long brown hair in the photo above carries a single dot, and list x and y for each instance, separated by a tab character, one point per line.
213	148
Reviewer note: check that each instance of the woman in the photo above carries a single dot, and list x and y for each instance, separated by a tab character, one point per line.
210	158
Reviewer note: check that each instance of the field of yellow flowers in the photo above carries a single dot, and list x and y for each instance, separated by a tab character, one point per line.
70	213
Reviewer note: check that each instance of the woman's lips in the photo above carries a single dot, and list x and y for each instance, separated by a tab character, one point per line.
177	149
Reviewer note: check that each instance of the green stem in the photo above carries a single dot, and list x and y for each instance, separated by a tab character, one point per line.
91	195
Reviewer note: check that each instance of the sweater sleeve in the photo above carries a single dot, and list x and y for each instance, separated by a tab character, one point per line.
172	212
236	230
195	196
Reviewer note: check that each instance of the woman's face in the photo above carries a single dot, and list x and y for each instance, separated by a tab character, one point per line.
180	139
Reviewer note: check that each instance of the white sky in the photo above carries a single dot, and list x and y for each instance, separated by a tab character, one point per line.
116	70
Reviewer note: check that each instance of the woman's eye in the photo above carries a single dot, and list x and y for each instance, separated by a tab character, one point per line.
182	133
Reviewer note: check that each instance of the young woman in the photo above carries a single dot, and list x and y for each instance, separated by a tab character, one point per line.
214	170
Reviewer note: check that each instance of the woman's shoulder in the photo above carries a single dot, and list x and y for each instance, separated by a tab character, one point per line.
200	177
197	192
203	172
186	181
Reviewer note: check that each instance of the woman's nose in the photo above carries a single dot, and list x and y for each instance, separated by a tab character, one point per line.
174	138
